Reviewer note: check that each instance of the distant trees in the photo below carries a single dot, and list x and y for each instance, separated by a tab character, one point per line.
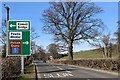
3	33
104	44
72	22
3	38
118	37
107	46
40	53
53	50
34	35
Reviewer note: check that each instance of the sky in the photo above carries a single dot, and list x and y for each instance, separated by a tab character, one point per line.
57	0
33	11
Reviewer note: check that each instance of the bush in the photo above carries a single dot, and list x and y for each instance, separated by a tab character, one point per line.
10	67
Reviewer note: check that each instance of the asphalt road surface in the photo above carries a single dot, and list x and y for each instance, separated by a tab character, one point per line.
47	70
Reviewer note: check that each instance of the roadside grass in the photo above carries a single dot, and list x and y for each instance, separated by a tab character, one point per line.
90	54
29	73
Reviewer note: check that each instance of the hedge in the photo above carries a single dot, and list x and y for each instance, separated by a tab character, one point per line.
104	64
10	67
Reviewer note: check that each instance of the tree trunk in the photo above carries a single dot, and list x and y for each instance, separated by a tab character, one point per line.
70	50
119	44
102	49
110	53
105	52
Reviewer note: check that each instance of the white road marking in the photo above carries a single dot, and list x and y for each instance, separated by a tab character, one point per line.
59	75
50	75
65	71
60	68
65	74
70	74
68	71
45	75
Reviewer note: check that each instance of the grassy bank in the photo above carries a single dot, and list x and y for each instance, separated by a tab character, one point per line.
91	54
29	73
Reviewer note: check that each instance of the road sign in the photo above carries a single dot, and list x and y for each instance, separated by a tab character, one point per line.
18	40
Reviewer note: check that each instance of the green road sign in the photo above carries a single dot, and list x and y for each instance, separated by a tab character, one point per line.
18	40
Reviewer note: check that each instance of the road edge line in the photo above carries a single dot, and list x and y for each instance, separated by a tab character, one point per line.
87	68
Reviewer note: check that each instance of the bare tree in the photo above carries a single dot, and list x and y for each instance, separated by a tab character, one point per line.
119	38
40	53
104	43
72	22
3	33
110	49
34	35
3	38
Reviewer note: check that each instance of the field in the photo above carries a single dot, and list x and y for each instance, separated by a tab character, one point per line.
96	53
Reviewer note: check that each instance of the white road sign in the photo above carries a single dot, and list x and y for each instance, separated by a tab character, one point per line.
15	35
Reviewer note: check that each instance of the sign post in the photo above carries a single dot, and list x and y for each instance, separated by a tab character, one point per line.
18	40
22	64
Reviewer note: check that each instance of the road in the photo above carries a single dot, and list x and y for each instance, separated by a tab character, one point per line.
46	70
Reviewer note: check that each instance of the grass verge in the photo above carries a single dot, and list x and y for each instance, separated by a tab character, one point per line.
29	73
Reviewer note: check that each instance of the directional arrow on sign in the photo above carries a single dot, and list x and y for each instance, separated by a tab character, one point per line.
11	25
26	42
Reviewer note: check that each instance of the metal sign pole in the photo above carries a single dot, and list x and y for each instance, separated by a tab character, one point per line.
22	64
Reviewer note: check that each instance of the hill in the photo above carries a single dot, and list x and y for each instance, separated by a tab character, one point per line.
95	53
